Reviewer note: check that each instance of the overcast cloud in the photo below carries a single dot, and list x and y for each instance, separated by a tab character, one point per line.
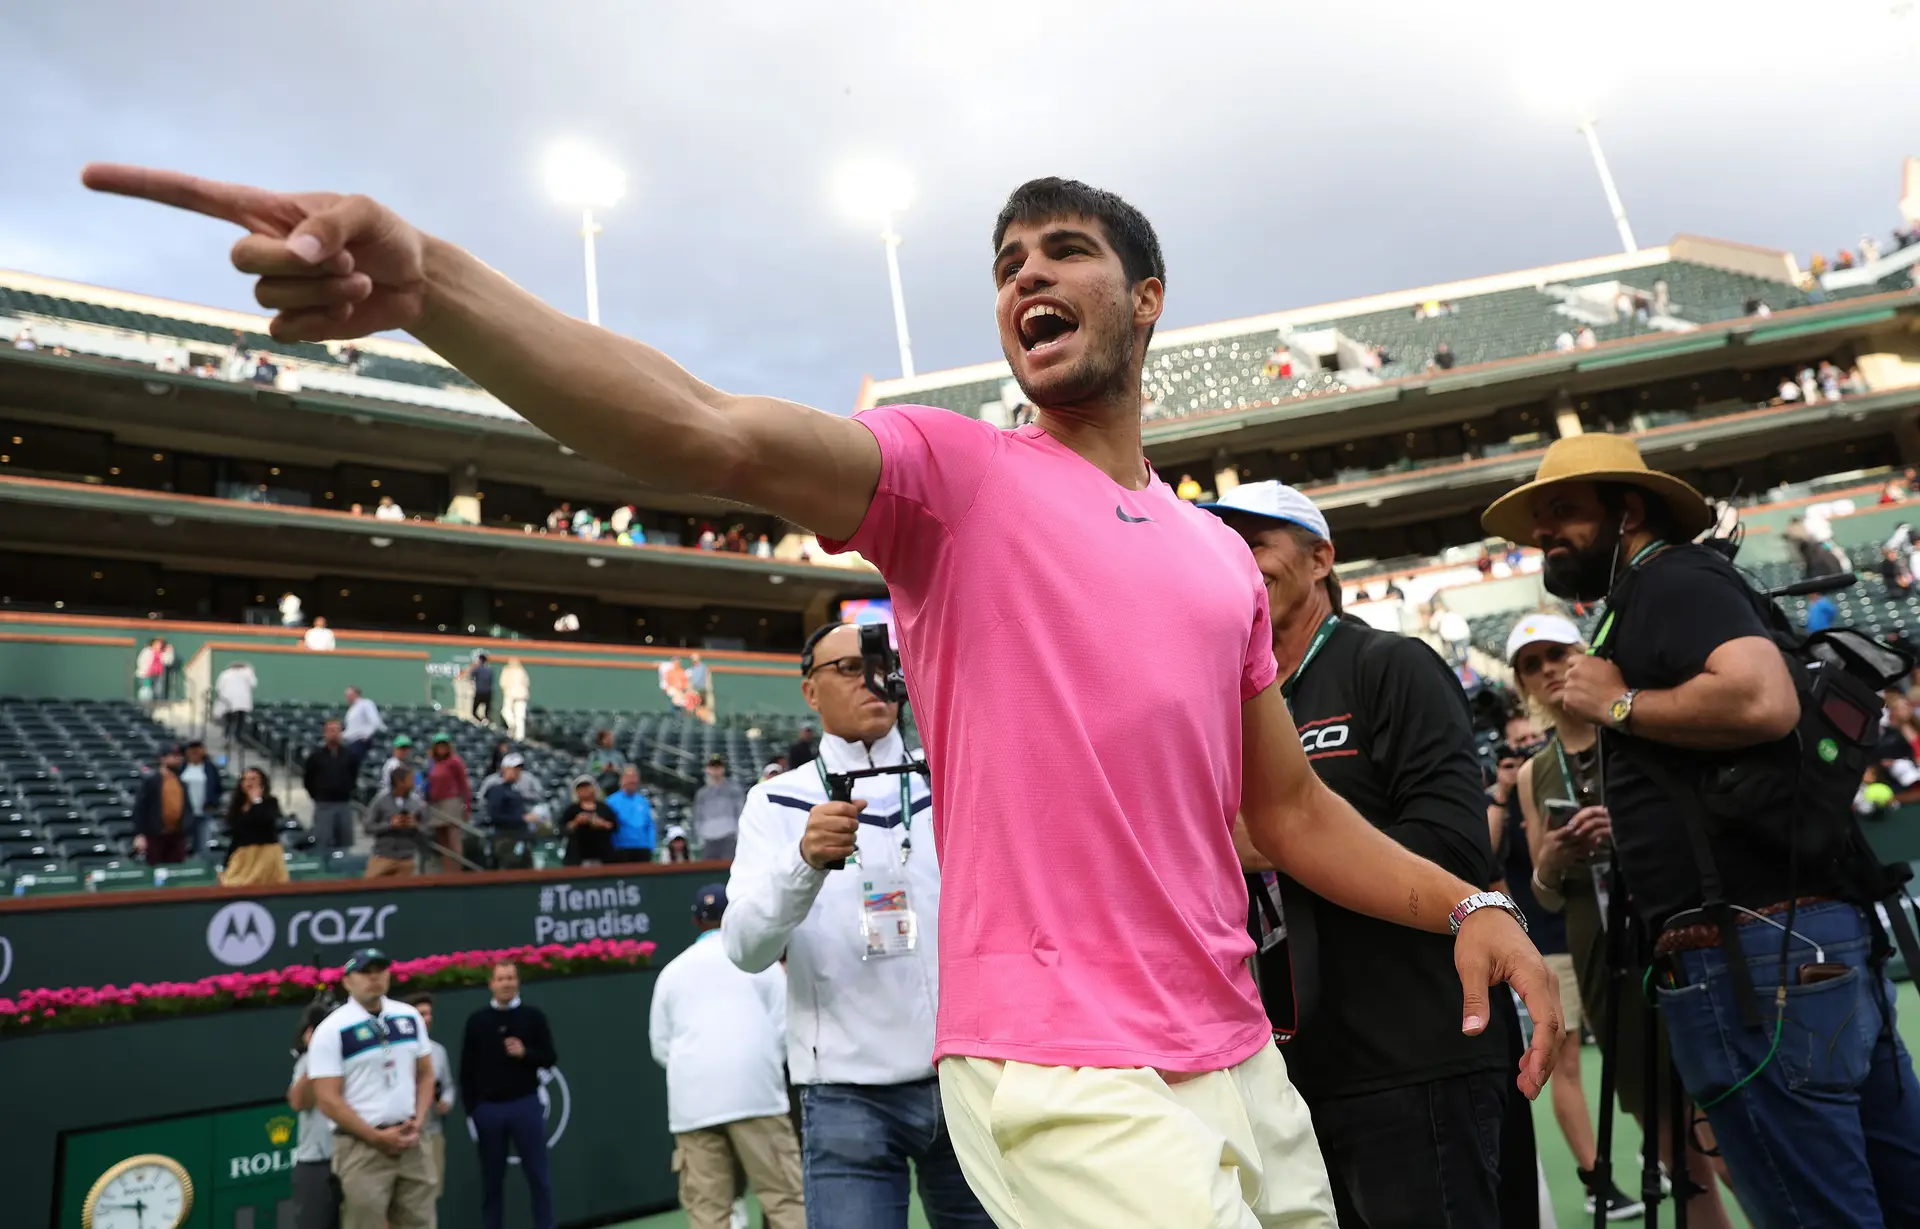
1288	154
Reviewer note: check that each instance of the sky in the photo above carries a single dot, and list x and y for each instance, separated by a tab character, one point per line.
1288	154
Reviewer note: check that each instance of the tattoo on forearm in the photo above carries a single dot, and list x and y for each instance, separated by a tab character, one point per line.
1413	903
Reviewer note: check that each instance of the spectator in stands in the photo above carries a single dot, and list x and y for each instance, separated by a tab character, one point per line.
716	811
201	776
502	747
23	340
1188	489
588	825
1852	384
504	811
633	820
233	699
394	820
316	1205
1563	342
721	1035
1541	649
449	798
1809	386
1869	250
604	760
1454	630
265	370
329	774
1829	377
1757	306
502	1052
1585	339
515	689
1484	564
1788	393
1817	265
709	540
802	749
675	848
319	637
763	547
1442	358
433	1133
162	819
150	669
253	828
697	675
388	510
621	520
860	1035
363	723
480	674
291	612
401	756
1821	613
378	1096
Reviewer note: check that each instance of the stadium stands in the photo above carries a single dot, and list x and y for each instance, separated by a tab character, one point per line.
672	748
68	772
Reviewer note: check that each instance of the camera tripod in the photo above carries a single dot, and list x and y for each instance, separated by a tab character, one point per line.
1629	957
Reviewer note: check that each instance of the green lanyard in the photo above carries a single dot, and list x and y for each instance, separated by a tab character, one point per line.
1313	650
1567	777
1639	556
1644	551
906	805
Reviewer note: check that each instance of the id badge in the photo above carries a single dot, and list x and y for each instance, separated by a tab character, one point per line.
393	1073
887	921
1601	871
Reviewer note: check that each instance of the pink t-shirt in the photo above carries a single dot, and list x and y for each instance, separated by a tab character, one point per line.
1078	655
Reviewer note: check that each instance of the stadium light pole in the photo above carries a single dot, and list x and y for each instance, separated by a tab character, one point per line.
879	192
1620	223
578	176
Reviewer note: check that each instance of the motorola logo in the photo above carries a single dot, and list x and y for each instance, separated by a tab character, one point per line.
240	933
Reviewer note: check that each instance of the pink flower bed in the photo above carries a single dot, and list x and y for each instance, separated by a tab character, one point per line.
81	1006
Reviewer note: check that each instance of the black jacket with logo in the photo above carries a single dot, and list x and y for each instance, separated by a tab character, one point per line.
1386	726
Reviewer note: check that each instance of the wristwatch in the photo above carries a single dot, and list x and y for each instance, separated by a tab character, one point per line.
1620	712
1485	900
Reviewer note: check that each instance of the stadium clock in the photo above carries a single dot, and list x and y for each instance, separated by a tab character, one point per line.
149	1191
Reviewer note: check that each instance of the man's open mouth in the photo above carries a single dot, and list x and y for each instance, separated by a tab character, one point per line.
1044	324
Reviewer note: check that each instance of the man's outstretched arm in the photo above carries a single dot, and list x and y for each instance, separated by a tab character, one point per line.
335	266
1306	830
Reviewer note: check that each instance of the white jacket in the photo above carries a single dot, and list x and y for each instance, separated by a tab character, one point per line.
720	1033
850	1020
233	689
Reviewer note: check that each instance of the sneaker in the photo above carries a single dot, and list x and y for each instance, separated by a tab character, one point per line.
1620	1205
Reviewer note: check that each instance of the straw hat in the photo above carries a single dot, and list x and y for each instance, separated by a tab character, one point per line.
1597	457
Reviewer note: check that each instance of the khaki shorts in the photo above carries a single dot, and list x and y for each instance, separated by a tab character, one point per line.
1130	1148
1561	964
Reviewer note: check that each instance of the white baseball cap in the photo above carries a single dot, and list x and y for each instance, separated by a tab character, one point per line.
511	761
1540	628
1276	501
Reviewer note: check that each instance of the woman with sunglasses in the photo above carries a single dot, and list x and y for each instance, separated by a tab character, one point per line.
1569	835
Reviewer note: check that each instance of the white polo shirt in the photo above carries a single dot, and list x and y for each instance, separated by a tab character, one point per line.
375	1060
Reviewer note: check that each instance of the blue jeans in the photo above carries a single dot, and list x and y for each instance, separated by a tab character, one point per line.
855	1142
523	1124
1828	1132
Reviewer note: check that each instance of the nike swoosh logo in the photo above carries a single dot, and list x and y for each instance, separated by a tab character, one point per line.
1131	520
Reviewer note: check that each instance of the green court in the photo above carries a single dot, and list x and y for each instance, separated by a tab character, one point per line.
1568	1197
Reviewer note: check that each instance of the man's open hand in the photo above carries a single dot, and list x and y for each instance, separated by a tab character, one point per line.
330	266
1492	949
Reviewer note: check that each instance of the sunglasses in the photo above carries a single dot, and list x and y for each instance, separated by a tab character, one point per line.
1553	655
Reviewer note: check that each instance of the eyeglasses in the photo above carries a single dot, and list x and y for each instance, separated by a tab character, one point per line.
1554	654
845	667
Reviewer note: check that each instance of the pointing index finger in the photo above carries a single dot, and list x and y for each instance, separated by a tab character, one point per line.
235	203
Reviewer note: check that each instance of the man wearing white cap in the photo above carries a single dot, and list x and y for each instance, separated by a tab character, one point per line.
1408	1109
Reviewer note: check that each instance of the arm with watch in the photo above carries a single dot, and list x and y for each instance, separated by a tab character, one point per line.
1310	833
1742	697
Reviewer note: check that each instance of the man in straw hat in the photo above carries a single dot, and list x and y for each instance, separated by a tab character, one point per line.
1813	1099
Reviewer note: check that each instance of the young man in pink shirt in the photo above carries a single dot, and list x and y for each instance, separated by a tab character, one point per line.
1104	1059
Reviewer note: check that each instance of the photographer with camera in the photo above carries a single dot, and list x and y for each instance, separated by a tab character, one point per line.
861	992
1408	1109
1568	838
1720	788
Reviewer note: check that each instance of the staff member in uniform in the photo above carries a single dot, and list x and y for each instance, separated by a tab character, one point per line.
860	1011
316	1194
721	1034
506	1044
373	1078
1407	1107
1569	866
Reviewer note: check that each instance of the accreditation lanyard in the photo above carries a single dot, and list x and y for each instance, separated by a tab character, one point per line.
1319	641
906	806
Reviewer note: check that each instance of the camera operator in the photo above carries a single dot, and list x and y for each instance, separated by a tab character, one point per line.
859	1014
1816	1109
1408	1108
1566	843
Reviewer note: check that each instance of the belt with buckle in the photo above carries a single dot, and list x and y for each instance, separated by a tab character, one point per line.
1703	936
